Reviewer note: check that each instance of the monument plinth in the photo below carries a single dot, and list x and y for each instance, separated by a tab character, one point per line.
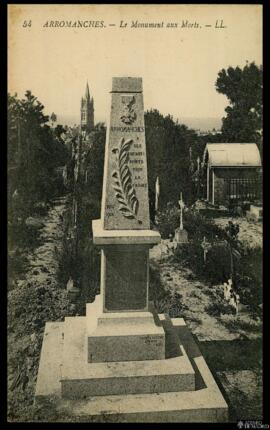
123	362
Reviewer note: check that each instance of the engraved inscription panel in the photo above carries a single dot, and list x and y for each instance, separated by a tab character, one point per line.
125	204
126	278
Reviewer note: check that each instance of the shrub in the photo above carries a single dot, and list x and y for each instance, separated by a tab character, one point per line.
236	324
168	220
176	305
191	255
219	292
218	264
198	227
217	308
196	224
248	280
247	261
23	236
17	266
217	267
165	301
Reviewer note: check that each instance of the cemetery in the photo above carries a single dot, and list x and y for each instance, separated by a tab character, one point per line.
127	304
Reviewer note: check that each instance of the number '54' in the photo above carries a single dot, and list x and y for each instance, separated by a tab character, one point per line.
27	23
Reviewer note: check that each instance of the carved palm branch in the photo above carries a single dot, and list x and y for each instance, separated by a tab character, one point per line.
122	182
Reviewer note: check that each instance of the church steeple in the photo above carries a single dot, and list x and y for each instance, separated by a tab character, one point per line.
87	93
87	111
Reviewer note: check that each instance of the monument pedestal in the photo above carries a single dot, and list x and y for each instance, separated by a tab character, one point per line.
122	328
179	388
126	366
123	336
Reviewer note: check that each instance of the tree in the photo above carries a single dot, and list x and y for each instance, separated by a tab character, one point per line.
243	87
94	161
53	118
33	152
59	130
168	146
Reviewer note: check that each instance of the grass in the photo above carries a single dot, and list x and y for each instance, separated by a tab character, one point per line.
217	309
165	301
193	294
237	323
17	267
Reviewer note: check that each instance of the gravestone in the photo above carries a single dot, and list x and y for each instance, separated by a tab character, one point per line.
123	362
73	292
181	235
255	213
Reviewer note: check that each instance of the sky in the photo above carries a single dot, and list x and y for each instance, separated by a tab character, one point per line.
179	65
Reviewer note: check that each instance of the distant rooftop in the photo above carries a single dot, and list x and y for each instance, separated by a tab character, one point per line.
233	154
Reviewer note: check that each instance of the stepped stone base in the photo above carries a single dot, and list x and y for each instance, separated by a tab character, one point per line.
179	388
120	336
80	379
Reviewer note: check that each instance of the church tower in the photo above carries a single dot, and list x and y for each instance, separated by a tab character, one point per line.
87	111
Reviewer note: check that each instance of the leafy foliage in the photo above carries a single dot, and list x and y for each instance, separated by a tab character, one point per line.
243	87
168	220
248	279
218	308
94	164
247	262
168	156
217	267
196	224
34	152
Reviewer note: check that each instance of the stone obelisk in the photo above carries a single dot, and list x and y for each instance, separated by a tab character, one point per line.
124	235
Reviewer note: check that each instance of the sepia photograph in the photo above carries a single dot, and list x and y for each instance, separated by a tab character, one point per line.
135	213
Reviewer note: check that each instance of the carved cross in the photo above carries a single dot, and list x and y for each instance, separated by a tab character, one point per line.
182	205
205	246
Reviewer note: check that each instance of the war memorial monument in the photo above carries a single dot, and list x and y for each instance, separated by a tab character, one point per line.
123	362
